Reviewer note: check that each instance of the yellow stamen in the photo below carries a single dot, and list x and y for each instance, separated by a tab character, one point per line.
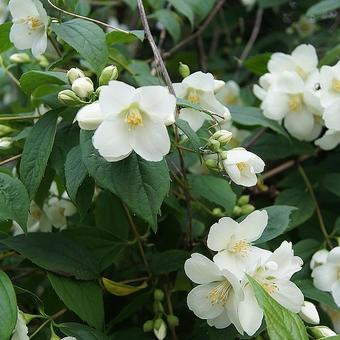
241	247
241	166
36	214
295	103
301	72
219	294
193	96
134	118
270	287
230	99
336	85
34	22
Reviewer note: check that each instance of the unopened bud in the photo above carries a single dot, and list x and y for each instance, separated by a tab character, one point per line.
217	212
211	164
223	136
74	74
4	130
172	320
148	326
319	258
83	87
42	61
160	330
20	58
237	211
69	98
157	324
5	143
109	73
244	199
158	295
321	332
247	209
184	70
224	155
309	313
214	144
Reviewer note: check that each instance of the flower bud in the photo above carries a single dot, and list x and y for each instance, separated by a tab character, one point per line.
309	313
158	295
74	74
184	70
159	329
5	143
223	136
109	73
217	212
20	58
83	87
237	211
69	98
211	164
319	258
172	320
4	130
247	209
224	155
244	199
148	326
321	332
42	61
90	116
214	144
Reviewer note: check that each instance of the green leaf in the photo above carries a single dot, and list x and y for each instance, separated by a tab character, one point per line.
213	189
87	38
278	221
75	172
56	253
323	7
252	116
5	43
258	63
37	150
201	8
118	37
170	21
121	289
14	201
168	261
301	200
332	183
8	307
331	56
82	297
281	323
271	3
31	80
184	8
312	293
80	331
140	184
190	133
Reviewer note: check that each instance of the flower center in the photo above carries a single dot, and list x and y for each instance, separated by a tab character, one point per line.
230	99
36	214
299	70
240	247
219	294
336	85
241	166
34	23
193	96
295	103
134	118
270	287
61	211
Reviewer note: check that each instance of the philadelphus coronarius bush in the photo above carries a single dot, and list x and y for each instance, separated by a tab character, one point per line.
166	169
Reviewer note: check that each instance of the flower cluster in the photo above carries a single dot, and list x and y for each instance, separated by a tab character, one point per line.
326	268
224	295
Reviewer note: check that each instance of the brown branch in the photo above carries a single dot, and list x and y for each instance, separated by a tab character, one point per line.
6	161
201	54
199	31
253	140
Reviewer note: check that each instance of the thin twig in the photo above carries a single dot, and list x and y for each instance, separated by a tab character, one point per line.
316	204
87	18
171	312
18	117
201	53
8	160
10	75
253	140
253	36
199	31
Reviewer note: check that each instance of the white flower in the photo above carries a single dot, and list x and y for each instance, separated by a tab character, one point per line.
329	84
29	28
242	166
160	333
5	143
20	331
309	313
90	116
83	87
248	3
331	115
329	140
319	258
217	295
266	82
326	276
303	61
135	120
74	73
229	94
233	242
3	11
273	274
198	88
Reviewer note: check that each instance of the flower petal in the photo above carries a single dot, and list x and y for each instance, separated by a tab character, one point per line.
299	124
290	82
252	227
336	292
22	9
39	43
90	116
275	105
324	276
222	321
331	115
329	140
280	62
20	36
200	81
194	118
305	57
